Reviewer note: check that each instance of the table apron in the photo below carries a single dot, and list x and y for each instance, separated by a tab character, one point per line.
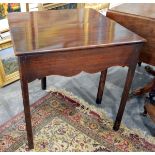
73	62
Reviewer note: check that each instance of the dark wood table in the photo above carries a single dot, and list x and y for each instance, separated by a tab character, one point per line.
67	42
140	18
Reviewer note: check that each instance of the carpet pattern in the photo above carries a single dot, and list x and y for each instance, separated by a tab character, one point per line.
61	122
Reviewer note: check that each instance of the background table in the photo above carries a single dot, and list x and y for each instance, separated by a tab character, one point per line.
66	42
140	18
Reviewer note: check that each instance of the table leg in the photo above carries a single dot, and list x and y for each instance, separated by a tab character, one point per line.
101	86
43	83
139	64
25	94
124	98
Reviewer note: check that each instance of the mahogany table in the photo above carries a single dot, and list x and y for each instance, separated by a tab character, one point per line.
67	42
140	18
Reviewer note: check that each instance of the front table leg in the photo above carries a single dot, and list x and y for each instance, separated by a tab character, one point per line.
25	95
24	87
101	86
124	98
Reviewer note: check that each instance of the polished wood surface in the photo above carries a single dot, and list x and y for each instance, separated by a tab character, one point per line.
66	44
72	63
65	30
139	9
140	18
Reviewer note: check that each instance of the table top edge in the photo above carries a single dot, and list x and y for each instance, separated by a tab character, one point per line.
35	52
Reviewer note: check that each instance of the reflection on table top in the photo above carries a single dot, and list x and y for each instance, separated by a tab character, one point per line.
60	30
139	9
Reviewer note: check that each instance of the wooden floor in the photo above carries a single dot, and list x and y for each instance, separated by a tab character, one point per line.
85	86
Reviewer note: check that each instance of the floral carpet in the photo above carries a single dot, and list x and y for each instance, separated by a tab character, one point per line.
63	122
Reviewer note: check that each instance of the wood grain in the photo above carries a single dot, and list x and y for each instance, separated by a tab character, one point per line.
140	18
65	31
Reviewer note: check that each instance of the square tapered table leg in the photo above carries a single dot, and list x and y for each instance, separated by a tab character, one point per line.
25	95
124	98
101	86
43	83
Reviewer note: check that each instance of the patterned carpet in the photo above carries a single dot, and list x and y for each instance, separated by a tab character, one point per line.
63	122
